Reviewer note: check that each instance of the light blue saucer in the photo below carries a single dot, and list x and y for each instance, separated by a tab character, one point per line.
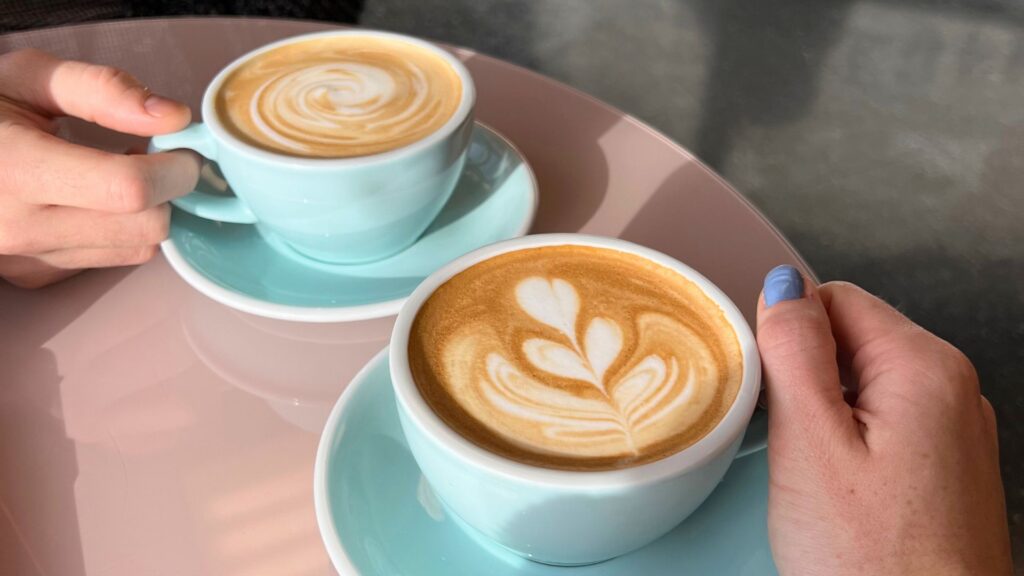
238	266
377	517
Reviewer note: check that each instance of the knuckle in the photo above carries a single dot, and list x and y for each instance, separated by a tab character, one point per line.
156	226
796	332
109	76
130	188
988	411
957	368
108	87
945	371
990	424
962	365
840	287
144	254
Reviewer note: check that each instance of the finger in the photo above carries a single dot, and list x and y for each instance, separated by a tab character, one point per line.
988	417
883	345
45	269
988	414
27	272
101	94
61	228
799	359
51	171
80	258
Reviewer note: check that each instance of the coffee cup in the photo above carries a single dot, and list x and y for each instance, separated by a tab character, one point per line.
573	499
344	144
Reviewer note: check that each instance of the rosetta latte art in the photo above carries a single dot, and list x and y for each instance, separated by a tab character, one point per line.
624	415
619	363
339	97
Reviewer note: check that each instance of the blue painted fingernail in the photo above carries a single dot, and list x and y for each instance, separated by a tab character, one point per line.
782	283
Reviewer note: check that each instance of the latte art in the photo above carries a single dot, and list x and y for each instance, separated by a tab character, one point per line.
339	97
625	414
575	357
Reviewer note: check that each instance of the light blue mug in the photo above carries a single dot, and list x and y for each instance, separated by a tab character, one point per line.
343	210
567	517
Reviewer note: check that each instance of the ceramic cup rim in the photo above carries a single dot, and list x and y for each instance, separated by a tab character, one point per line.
727	432
463	112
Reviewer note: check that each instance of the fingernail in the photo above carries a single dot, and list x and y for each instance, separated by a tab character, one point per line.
159	106
782	283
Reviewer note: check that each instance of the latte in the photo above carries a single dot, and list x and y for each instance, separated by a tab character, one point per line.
338	97
575	357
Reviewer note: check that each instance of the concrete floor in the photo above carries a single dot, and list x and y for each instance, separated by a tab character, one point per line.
885	139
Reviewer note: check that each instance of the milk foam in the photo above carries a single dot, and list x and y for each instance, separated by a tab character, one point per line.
560	374
338	97
623	416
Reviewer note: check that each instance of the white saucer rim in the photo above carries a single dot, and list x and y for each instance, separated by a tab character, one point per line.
258	307
339	558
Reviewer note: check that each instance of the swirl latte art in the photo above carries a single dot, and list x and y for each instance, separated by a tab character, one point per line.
575	357
339	97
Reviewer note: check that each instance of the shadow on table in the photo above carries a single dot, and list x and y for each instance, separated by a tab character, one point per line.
38	461
764	65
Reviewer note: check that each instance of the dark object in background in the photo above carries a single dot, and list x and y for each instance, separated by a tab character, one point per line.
26	14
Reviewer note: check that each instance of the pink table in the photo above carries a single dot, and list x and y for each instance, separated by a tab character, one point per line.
145	429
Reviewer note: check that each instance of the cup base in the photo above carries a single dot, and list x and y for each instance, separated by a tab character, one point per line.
294	252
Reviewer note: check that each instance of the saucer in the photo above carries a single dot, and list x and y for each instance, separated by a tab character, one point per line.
377	515
236	265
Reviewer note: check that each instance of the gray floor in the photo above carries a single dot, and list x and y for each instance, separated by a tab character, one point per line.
885	139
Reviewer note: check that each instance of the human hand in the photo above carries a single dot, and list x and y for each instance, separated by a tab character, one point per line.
65	207
903	479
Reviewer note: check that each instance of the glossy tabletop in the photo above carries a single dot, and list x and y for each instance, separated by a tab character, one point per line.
145	429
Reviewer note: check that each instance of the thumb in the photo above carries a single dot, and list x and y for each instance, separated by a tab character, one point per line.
104	95
798	354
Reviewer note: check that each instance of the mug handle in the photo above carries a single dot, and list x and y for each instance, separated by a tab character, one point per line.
756	437
197	137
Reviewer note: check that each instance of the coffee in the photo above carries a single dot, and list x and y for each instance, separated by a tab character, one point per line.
339	97
575	357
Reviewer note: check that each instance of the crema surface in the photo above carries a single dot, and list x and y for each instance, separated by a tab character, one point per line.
339	97
575	357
